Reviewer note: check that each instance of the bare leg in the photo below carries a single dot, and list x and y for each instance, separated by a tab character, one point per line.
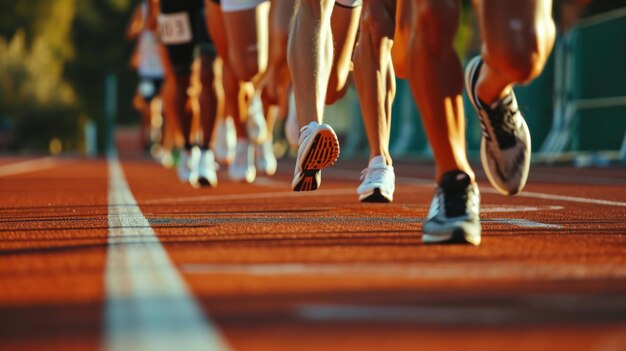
344	24
438	91
374	74
310	54
507	61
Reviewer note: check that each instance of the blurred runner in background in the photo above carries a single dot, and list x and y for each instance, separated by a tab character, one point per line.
147	61
239	29
183	31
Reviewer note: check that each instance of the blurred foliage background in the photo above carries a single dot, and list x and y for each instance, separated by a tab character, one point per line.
54	57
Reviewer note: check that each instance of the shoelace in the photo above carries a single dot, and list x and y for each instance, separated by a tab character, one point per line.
503	122
455	201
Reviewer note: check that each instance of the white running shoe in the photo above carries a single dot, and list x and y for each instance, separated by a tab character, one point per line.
378	181
292	130
505	147
454	213
206	173
265	158
185	164
318	148
166	158
256	124
242	169
226	140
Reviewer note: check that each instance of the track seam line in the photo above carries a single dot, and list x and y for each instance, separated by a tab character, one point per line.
148	304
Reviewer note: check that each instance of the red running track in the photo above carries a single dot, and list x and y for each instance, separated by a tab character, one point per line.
270	269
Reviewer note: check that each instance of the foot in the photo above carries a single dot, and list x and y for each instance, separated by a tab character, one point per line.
184	165
256	125
265	158
505	146
206	174
378	182
454	212
226	141
242	169
318	147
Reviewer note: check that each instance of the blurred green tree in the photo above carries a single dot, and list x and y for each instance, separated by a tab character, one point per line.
54	56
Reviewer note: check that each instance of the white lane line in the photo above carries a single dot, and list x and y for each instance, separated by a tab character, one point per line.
515	208
583	200
270	195
27	166
418	271
148	306
523	223
486	190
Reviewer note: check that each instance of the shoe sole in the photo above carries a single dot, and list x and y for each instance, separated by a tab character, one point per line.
376	196
323	152
204	182
458	236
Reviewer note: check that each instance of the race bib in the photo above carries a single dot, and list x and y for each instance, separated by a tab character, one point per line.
175	28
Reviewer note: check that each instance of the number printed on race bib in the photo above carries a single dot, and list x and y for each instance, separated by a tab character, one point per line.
174	28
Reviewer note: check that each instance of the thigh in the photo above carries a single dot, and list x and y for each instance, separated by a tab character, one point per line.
401	37
215	24
247	34
514	26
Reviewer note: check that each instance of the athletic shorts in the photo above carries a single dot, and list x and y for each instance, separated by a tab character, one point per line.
182	29
238	5
349	3
149	88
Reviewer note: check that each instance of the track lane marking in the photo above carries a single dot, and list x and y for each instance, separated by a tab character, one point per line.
544	196
148	305
417	271
27	166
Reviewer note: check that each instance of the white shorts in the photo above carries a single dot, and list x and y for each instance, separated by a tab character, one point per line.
239	5
349	3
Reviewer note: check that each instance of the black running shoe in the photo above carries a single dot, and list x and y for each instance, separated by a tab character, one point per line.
454	213
505	146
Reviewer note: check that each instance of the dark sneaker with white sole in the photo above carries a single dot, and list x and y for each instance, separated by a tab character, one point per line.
454	213
505	147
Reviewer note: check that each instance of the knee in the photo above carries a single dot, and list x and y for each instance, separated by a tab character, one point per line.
246	67
436	22
524	61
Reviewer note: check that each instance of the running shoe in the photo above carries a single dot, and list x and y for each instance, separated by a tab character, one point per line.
185	165
226	140
505	145
454	213
242	169
255	124
206	172
292	131
265	158
378	182
318	148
